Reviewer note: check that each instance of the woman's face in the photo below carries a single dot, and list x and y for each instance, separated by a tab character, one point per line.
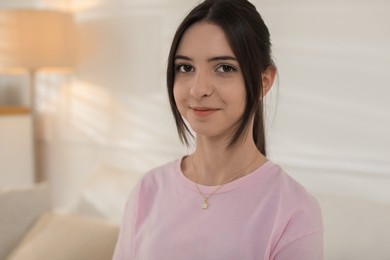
209	87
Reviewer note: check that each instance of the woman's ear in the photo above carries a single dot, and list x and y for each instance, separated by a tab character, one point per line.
267	78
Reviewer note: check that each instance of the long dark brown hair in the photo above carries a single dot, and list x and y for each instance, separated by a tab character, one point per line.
249	39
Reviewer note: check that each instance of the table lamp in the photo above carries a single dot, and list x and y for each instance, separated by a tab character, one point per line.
35	40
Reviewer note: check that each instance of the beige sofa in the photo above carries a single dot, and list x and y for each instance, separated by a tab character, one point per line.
31	230
355	229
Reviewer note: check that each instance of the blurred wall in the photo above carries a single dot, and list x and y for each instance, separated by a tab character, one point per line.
332	129
115	111
328	115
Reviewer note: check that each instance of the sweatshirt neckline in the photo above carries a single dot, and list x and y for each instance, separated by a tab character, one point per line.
189	184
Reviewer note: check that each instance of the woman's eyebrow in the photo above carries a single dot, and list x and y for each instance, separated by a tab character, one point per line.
216	58
182	57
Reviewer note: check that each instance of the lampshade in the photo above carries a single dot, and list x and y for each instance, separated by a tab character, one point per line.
36	39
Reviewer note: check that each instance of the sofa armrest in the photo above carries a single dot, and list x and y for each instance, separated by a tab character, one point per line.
64	236
20	208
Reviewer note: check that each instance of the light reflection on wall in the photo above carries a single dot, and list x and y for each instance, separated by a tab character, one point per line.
51	98
90	111
79	6
131	131
133	121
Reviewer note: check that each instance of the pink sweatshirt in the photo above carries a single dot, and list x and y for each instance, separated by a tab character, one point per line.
263	215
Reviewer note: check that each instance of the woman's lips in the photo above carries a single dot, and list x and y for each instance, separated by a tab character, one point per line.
203	111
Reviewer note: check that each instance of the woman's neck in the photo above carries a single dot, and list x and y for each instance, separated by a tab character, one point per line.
213	163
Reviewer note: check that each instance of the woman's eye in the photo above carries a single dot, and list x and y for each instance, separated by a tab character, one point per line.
184	68
226	68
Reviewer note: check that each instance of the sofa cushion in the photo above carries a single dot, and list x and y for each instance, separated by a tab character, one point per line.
19	208
62	236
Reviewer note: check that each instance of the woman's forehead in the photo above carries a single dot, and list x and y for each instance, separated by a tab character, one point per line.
204	40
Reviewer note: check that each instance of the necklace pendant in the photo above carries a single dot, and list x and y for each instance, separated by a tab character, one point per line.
204	205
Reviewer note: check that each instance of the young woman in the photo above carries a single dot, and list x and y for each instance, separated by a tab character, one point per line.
226	200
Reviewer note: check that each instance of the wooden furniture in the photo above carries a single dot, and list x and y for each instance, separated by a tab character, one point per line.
16	146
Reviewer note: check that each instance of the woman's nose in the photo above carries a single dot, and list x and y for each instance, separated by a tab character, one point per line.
201	85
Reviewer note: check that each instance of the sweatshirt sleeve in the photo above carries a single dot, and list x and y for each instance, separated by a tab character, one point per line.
308	247
125	242
302	236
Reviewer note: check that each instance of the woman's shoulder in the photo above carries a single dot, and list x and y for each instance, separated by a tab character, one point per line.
285	181
298	214
289	190
296	201
161	173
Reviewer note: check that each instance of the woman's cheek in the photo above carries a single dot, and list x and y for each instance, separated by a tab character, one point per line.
179	98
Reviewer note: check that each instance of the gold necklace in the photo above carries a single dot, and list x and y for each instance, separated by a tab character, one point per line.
205	204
